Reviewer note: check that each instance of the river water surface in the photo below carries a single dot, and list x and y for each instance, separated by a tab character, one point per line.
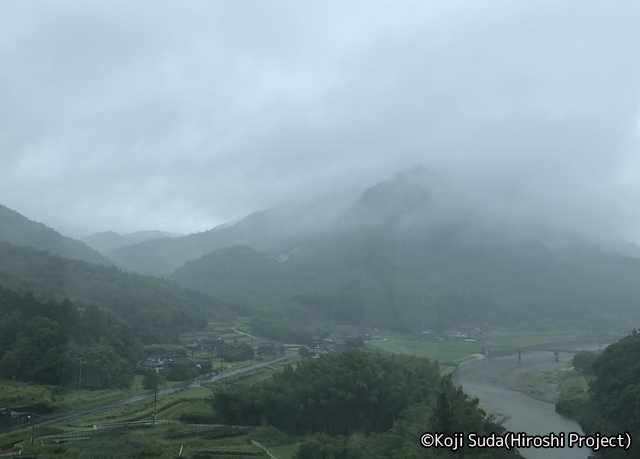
485	380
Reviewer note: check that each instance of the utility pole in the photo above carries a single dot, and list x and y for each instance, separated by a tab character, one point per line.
221	348
80	379
33	426
155	400
80	357
252	350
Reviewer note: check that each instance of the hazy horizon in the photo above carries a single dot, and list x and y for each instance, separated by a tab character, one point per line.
182	117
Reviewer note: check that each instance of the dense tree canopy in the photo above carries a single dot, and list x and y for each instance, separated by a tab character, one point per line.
48	343
360	405
614	403
616	389
337	395
156	309
583	362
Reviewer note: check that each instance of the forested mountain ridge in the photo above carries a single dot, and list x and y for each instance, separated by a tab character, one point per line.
409	283
108	241
282	227
411	254
156	309
18	230
272	229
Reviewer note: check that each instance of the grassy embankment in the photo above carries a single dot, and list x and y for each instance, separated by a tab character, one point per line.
574	396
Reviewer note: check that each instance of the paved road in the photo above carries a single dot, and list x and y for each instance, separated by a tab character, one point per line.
51	419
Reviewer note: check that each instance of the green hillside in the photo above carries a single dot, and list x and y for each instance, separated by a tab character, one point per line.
411	254
19	230
414	280
156	309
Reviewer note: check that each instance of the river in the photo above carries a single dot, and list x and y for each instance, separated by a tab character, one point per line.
486	381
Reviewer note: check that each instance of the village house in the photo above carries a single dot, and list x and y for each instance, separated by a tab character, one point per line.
149	365
204	366
178	360
266	348
328	344
210	342
316	352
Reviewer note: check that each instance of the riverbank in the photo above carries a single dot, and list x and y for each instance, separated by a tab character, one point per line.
538	381
506	389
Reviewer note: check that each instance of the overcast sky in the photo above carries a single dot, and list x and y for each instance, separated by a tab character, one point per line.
180	116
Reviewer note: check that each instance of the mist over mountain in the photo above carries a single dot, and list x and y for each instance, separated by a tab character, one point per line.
410	253
18	230
272	229
107	241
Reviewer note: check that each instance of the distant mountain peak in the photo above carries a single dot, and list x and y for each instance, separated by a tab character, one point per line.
408	192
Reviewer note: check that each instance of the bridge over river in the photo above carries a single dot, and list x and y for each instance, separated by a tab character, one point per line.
565	347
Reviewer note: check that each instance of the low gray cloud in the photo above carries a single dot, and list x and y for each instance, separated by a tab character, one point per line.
181	116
